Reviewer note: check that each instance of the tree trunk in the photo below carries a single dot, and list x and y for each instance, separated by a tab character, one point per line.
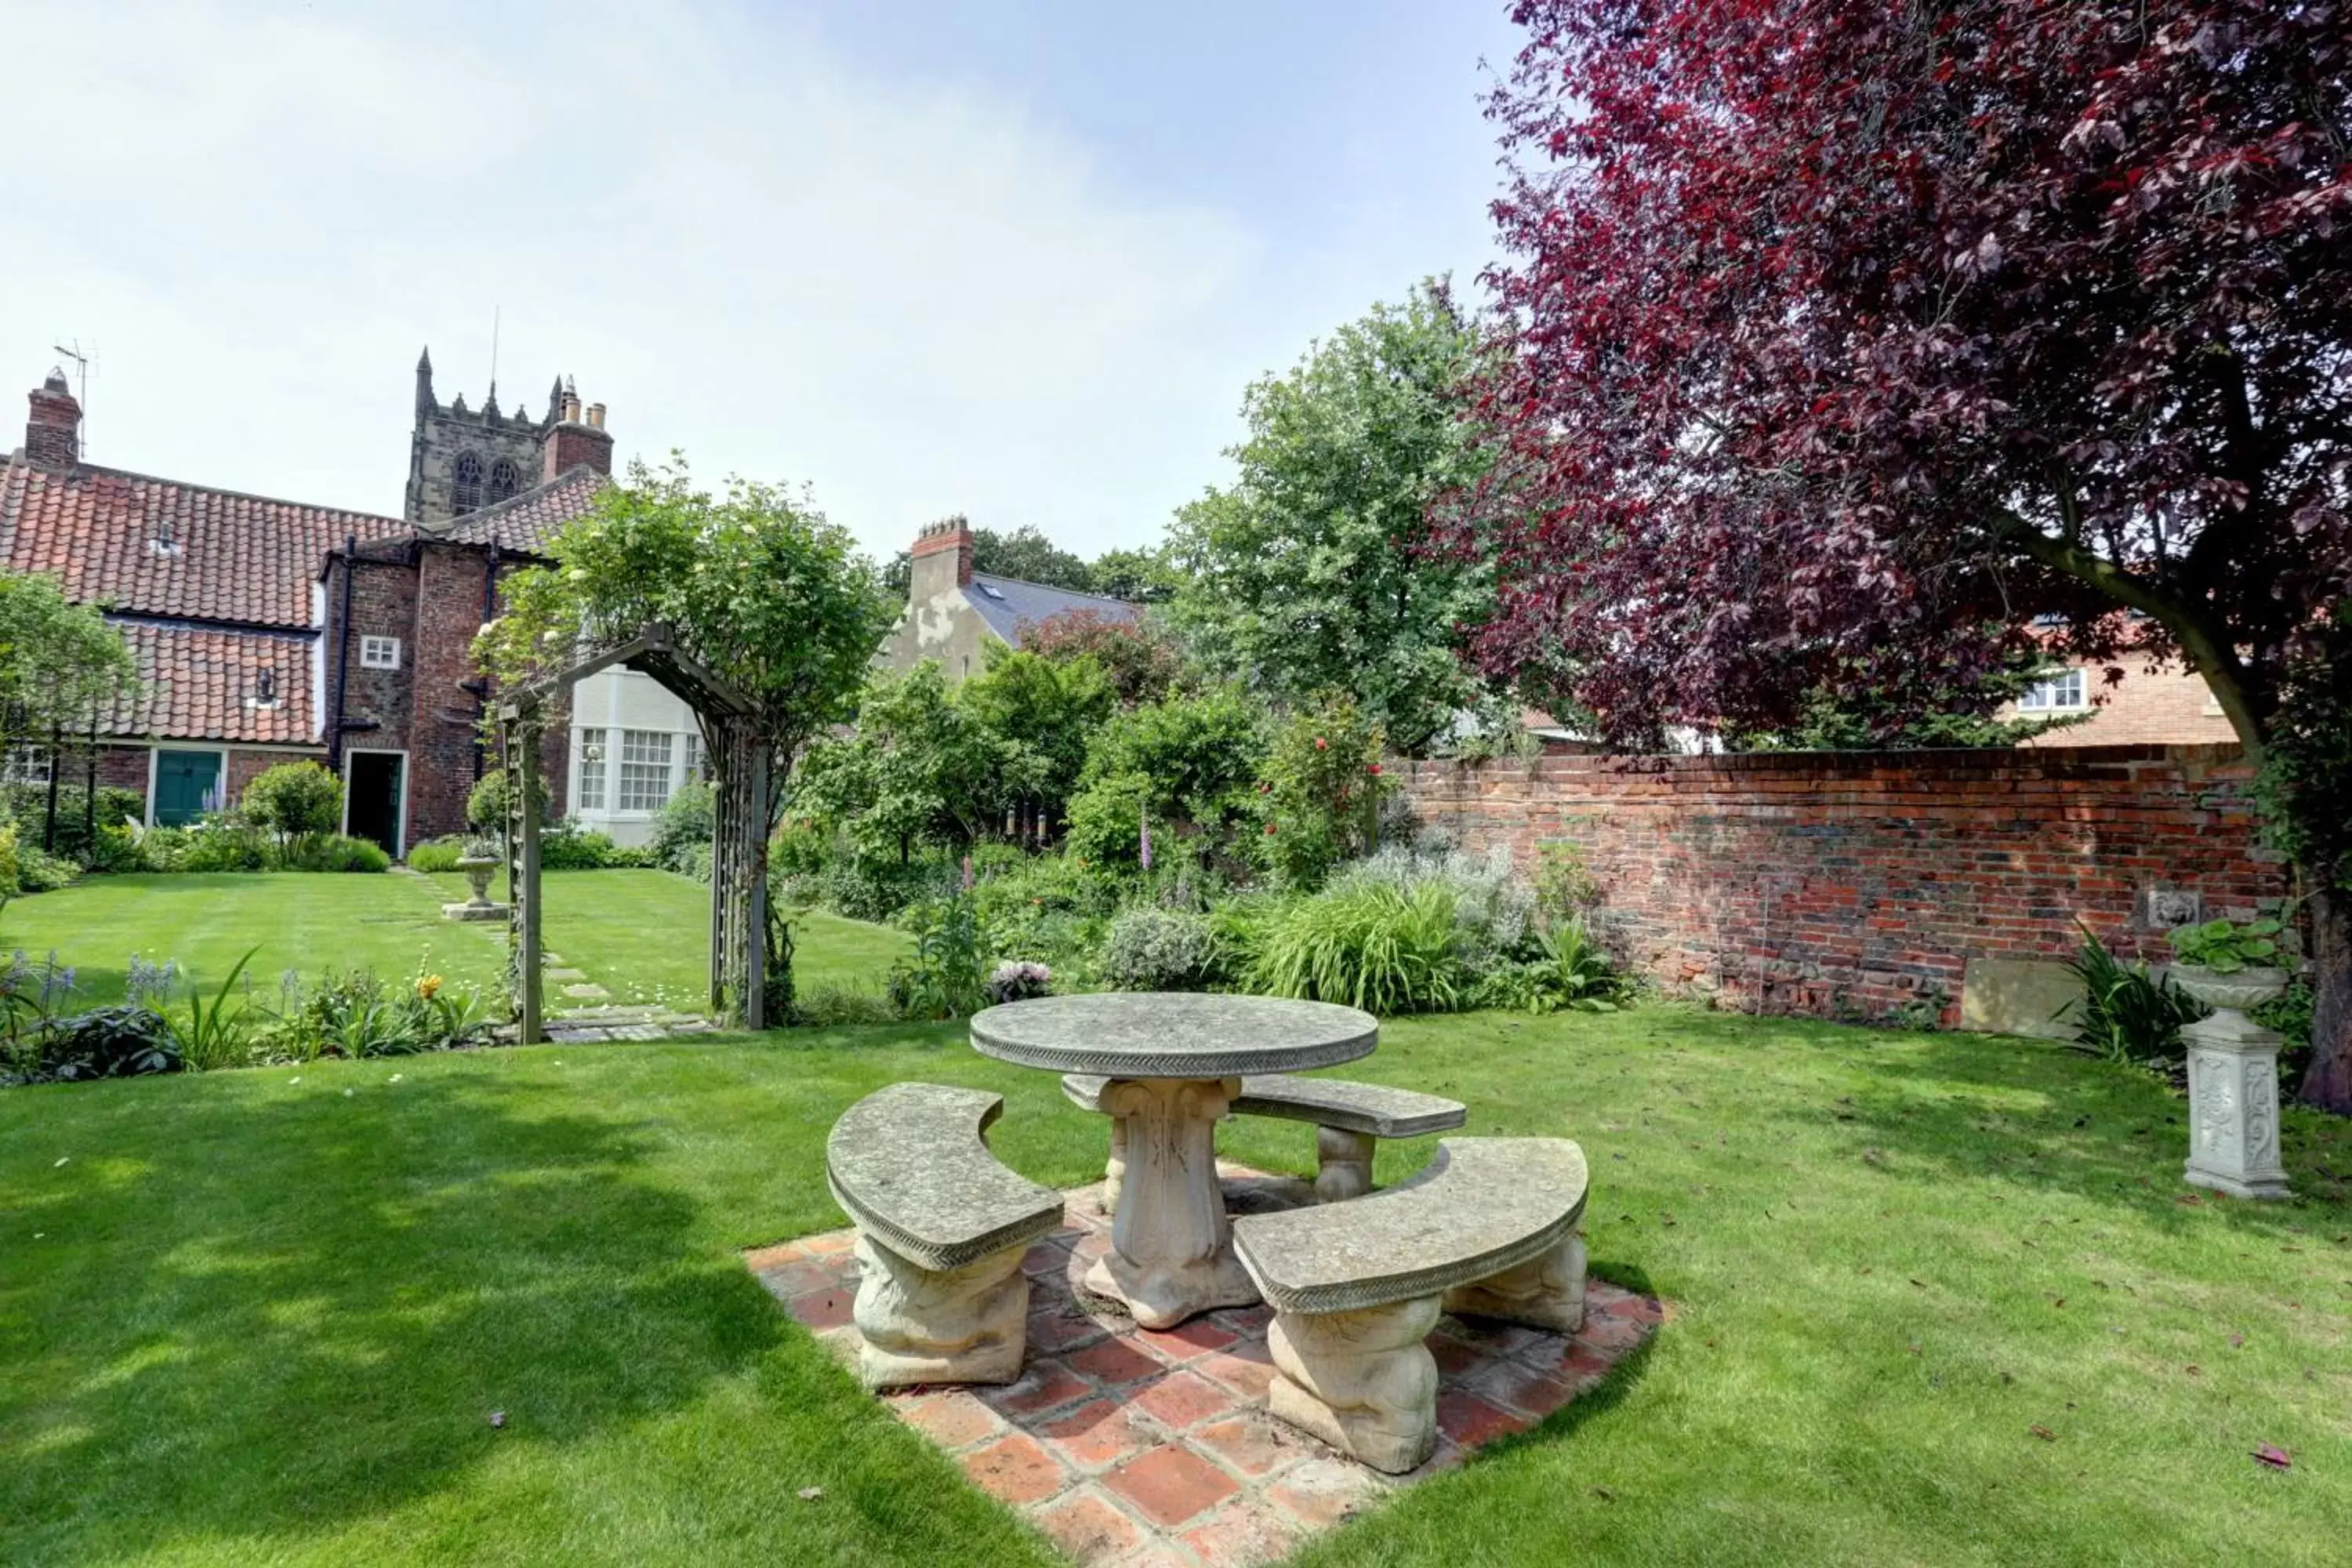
2327	1083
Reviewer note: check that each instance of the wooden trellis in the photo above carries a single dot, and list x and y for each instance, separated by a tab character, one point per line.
738	892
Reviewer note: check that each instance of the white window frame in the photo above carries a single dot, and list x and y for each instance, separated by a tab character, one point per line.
587	797
630	791
694	765
28	763
2066	692
400	830
379	652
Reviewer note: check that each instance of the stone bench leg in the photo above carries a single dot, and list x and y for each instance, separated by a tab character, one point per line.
920	1325
1545	1292
1363	1382
1343	1164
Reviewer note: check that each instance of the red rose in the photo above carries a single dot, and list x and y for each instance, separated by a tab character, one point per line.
1270	827
1321	744
1374	768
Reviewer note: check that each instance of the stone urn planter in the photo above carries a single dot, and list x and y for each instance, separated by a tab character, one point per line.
2233	1104
479	865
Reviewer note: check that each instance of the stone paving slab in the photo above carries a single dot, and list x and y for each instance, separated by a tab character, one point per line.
1133	1447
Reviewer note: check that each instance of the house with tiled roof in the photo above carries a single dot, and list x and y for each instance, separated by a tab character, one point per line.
954	614
267	630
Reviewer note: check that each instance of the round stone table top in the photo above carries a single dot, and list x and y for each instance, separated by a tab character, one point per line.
1151	1034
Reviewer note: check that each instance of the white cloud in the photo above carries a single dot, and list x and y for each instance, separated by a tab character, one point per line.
917	297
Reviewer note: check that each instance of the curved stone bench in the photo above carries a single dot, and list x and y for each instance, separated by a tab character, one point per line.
941	1228
1350	1120
1488	1230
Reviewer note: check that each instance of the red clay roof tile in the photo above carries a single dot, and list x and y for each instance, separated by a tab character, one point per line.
203	683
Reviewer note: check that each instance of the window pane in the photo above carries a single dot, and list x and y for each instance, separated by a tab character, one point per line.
591	769
645	770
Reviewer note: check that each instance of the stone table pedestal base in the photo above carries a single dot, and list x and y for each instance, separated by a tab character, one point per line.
1343	1164
923	1325
1171	1252
1363	1382
2233	1107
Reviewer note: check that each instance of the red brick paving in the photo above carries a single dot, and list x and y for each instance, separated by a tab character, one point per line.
1172	1484
1132	1448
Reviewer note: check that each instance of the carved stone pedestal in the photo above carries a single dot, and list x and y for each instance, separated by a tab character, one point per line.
1343	1164
1363	1382
1171	1252
1545	1292
923	1325
2233	1107
1114	1170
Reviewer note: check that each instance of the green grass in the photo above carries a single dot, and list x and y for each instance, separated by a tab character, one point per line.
255	1320
645	936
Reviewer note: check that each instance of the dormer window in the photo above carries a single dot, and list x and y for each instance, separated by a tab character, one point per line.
465	484
379	653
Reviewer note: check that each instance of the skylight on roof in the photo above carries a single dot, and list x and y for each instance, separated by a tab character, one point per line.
990	590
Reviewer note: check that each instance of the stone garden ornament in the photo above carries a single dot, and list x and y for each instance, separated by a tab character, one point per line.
2233	1099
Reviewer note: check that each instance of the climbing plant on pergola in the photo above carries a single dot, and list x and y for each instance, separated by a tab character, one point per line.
739	916
749	605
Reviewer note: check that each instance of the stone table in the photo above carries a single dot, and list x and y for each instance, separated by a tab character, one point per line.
1175	1062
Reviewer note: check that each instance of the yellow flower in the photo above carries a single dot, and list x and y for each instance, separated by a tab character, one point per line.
427	985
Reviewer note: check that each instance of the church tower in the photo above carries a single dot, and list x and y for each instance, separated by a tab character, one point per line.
461	460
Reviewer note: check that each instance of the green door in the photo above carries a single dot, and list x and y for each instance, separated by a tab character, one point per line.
187	784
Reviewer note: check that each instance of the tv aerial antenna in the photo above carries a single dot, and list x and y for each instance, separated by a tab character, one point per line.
82	362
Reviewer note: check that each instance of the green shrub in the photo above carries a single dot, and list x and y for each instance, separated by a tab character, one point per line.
118	849
1494	910
111	1042
1372	945
1158	950
2125	1014
217	843
38	872
1322	785
682	830
28	806
1572	973
297	801
336	853
880	890
354	1014
11	882
943	977
485	807
833	1004
437	855
569	847
1189	764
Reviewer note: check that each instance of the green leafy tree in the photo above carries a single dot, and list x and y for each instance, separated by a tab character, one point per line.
62	667
1138	576
918	768
296	801
1047	707
1189	764
1142	662
1306	574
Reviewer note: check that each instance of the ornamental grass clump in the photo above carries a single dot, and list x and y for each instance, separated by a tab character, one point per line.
1375	945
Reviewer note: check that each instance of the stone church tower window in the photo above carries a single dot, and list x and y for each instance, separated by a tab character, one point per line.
465	484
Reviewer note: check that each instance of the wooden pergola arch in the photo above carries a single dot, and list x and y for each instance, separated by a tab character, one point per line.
739	897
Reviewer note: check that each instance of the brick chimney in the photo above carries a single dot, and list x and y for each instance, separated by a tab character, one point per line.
577	437
53	433
941	558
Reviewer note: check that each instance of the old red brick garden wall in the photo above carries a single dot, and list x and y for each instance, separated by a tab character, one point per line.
1843	883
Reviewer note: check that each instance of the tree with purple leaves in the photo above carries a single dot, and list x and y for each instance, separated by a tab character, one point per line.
1855	344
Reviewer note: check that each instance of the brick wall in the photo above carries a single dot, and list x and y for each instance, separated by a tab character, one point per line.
442	756
1830	883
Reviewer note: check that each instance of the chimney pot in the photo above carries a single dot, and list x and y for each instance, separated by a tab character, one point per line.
596	414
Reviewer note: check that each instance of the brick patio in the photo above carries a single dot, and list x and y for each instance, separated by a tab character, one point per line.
1133	1448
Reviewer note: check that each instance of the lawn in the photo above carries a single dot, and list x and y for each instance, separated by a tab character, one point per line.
645	936
1940	1299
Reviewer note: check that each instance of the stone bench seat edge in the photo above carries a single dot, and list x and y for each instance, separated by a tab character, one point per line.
1377	1109
1260	1239
935	1129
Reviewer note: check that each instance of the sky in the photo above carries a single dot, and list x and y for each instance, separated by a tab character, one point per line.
1017	261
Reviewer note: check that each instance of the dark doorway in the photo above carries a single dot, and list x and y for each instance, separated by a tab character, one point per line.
372	806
